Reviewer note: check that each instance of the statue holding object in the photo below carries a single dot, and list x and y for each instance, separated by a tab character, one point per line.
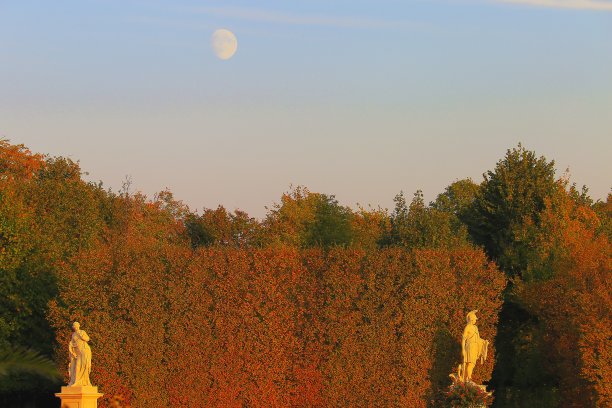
79	392
80	357
463	391
473	348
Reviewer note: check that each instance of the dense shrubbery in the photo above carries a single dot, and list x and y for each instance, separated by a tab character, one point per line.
275	326
316	305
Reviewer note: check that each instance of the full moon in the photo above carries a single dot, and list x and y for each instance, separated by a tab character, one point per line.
224	43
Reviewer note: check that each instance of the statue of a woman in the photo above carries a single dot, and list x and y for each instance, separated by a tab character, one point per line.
80	357
472	346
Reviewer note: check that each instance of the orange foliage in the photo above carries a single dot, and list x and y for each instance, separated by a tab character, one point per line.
274	327
369	227
18	162
574	304
238	325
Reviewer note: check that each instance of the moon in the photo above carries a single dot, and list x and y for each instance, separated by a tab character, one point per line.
224	43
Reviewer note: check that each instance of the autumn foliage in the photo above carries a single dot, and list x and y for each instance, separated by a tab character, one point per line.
571	293
270	327
316	305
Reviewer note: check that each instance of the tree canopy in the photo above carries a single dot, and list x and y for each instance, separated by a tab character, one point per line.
316	304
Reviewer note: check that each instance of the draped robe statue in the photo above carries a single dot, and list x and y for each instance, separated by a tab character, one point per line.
472	347
80	358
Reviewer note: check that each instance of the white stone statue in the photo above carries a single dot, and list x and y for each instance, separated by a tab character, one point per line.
80	358
472	347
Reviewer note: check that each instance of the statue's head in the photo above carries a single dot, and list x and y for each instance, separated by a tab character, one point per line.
76	325
471	317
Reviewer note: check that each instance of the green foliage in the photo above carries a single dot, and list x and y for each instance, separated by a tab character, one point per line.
63	239
509	196
199	231
27	378
47	214
305	219
546	237
27	360
457	197
51	215
331	225
421	226
523	375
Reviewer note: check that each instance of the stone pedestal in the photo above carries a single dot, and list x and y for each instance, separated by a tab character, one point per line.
79	397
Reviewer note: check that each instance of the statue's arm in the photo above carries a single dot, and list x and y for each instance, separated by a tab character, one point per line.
84	335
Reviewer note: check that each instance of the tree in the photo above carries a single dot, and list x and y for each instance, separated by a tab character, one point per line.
305	219
287	221
331	225
603	209
567	287
421	226
457	197
47	214
17	162
508	196
370	226
220	227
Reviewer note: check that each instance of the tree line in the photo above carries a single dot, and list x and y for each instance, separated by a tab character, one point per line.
312	292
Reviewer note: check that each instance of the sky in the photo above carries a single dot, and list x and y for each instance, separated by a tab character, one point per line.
360	99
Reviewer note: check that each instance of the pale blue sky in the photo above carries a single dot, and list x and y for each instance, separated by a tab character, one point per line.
360	99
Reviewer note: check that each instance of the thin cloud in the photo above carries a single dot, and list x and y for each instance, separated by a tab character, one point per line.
171	23
268	16
601	5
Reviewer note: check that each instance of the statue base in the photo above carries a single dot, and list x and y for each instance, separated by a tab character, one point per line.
466	394
79	397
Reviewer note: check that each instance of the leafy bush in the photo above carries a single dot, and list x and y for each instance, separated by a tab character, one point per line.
173	326
467	395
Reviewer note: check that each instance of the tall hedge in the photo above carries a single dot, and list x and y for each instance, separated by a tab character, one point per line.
275	327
